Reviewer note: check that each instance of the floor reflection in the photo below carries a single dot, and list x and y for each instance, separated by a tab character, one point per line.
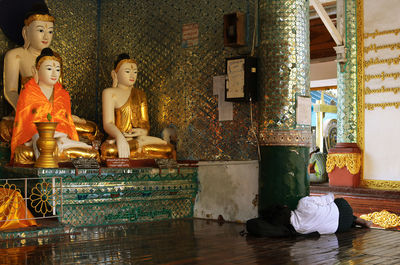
199	242
316	250
156	243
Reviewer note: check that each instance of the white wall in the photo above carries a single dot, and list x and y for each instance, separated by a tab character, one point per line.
229	189
382	125
323	70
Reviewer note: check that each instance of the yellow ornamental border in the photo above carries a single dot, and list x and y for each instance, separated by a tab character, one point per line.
352	161
383	218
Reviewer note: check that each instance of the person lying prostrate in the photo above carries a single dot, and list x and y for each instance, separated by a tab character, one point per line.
313	215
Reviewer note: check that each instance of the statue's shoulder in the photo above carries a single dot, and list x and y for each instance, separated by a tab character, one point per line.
61	90
109	91
15	53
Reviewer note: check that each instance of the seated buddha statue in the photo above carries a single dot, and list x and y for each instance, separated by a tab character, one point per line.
37	33
44	99
126	120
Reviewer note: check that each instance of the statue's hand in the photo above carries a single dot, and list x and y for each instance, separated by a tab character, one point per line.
36	150
65	143
136	132
123	147
76	119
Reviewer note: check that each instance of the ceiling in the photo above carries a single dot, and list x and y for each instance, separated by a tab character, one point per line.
321	42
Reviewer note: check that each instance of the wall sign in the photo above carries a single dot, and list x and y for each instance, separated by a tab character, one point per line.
190	35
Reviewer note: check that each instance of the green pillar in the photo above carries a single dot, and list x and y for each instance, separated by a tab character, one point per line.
347	79
285	62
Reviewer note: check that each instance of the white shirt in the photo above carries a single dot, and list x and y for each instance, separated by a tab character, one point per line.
316	214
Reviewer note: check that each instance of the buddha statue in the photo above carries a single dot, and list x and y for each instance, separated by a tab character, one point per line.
125	118
43	99
37	33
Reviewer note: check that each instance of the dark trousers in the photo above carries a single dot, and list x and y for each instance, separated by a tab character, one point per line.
346	217
273	222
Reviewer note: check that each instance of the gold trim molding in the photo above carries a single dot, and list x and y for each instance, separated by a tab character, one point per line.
381	184
360	81
352	161
286	138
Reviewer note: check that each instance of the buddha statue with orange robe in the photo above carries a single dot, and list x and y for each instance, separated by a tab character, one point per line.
125	118
37	33
42	99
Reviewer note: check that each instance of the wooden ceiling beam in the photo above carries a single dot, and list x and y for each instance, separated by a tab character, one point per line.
327	22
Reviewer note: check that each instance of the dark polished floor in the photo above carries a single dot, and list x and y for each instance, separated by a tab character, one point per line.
200	242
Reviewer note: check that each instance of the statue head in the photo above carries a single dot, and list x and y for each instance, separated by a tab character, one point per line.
125	71
38	28
48	67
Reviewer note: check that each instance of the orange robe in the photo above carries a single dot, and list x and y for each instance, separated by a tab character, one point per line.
33	106
13	212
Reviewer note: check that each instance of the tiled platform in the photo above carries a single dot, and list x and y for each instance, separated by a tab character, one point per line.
46	228
116	195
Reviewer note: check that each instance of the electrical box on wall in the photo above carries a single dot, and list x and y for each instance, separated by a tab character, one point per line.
241	79
234	29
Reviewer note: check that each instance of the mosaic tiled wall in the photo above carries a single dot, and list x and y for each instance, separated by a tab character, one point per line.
178	81
347	80
284	56
5	45
76	40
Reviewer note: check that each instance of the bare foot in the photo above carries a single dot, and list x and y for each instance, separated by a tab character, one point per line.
363	223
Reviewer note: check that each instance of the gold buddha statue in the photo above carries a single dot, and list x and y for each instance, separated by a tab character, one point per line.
37	33
43	99
126	120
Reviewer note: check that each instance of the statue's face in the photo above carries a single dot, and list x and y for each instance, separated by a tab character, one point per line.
127	74
49	72
40	34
